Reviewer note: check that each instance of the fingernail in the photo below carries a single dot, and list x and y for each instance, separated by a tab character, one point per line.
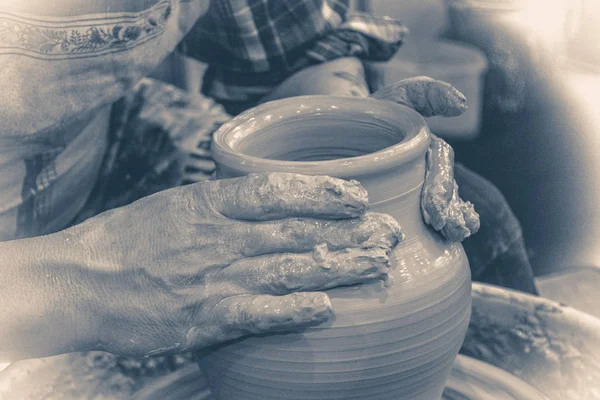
388	234
358	262
460	102
349	193
456	232
320	253
313	307
373	263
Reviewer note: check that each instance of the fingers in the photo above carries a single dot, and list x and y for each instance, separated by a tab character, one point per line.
442	207
283	195
280	274
427	96
462	220
458	220
471	216
243	315
243	311
438	188
296	235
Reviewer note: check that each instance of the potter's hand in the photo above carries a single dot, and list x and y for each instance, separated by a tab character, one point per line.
427	96
202	264
441	205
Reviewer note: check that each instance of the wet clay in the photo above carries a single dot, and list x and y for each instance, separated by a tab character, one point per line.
384	341
441	205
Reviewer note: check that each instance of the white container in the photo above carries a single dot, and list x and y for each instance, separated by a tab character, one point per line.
459	64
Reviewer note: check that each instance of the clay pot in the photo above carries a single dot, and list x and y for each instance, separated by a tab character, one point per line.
386	342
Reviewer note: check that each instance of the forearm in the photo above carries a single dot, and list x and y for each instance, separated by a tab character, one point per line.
340	77
45	297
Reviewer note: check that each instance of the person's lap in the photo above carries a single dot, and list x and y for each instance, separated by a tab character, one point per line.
497	253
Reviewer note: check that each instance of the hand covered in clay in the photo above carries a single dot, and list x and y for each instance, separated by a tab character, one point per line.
441	205
205	263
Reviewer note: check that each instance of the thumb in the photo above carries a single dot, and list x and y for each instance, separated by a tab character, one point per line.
425	95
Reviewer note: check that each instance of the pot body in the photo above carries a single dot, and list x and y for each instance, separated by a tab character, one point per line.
393	341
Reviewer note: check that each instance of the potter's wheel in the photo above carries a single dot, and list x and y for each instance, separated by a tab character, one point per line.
553	348
470	379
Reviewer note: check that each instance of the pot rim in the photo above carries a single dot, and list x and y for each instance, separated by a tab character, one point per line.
414	144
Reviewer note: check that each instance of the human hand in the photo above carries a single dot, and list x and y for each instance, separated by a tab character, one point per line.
202	264
441	205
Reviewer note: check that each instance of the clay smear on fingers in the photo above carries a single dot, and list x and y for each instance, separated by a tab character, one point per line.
438	188
282	195
299	235
238	316
462	219
427	96
264	313
280	274
441	204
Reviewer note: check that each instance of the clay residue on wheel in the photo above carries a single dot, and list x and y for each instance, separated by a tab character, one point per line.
553	364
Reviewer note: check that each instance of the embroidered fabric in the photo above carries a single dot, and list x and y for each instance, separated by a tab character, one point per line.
60	75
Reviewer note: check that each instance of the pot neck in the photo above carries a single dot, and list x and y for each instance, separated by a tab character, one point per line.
397	192
387	185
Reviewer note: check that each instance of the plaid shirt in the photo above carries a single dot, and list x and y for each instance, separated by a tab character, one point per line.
253	45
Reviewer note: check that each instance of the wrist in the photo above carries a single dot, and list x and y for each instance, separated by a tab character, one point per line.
76	300
49	307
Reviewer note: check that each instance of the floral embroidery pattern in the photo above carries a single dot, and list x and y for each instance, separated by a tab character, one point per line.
71	39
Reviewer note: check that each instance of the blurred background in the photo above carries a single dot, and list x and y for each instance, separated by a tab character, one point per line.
539	138
531	73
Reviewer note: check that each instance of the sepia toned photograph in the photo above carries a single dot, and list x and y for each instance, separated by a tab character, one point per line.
299	200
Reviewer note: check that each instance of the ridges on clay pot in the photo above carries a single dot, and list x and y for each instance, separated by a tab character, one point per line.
385	342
